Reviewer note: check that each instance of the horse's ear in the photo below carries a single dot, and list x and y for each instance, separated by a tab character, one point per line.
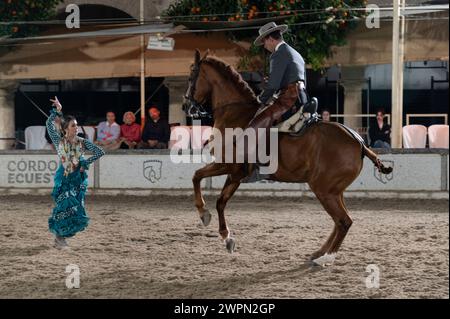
206	54
197	56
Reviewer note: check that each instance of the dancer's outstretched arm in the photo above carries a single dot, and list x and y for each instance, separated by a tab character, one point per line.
98	152
55	136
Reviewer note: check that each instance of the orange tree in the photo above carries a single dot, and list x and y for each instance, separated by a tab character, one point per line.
314	25
14	12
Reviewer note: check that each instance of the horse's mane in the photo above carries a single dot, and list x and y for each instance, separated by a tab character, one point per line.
230	73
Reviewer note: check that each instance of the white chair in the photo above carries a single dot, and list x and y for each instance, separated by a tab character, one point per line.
35	138
180	137
414	136
438	136
199	136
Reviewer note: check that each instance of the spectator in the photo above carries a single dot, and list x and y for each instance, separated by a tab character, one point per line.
325	115
130	132
108	132
156	131
380	134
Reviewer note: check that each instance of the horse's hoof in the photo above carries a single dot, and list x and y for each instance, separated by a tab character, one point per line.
316	255
230	244
327	259
206	218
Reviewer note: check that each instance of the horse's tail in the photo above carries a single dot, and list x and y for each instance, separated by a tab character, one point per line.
374	158
365	151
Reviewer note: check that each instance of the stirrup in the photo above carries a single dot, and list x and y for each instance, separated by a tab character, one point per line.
255	176
311	106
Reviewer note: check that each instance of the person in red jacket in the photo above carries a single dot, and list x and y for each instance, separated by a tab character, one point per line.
130	131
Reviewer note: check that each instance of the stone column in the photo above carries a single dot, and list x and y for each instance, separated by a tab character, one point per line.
7	114
177	88
353	82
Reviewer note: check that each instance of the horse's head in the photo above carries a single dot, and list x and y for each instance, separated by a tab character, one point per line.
199	88
217	83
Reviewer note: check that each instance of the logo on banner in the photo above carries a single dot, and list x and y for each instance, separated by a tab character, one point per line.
152	170
382	177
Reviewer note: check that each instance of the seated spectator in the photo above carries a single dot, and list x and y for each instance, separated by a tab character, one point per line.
108	132
325	115
156	132
380	134
130	132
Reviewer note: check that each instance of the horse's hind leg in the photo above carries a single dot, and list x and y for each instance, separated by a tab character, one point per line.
325	246
343	224
231	185
334	206
212	169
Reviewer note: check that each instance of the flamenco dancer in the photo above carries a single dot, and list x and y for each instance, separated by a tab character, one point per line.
71	180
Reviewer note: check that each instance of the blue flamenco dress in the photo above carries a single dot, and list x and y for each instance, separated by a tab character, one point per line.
70	184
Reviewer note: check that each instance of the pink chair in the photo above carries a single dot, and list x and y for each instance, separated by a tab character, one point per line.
199	136
438	136
180	137
414	136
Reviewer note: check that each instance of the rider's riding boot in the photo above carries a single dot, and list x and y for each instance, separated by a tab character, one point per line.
311	106
255	175
265	120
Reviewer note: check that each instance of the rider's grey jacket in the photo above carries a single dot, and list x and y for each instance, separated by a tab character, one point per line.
286	66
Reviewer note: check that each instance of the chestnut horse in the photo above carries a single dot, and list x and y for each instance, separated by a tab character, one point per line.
326	155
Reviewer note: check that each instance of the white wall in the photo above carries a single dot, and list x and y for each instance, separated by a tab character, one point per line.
412	172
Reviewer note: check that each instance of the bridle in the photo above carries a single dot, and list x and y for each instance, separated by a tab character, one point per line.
195	110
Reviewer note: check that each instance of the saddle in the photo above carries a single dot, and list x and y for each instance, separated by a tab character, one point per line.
300	120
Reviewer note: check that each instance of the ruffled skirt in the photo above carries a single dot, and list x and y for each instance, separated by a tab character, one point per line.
68	216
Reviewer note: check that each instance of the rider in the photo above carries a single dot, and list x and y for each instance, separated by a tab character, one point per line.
287	78
287	73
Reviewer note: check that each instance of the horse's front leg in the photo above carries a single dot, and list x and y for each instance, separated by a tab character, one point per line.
231	185
212	169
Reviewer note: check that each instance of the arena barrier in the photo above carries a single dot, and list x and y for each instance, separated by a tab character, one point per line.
418	173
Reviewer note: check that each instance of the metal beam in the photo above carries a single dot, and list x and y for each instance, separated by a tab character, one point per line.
397	73
142	68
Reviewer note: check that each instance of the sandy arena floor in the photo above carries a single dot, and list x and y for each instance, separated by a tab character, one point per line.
155	248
